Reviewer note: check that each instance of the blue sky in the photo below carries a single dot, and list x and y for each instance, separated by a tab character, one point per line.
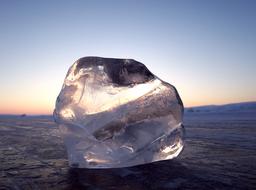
207	49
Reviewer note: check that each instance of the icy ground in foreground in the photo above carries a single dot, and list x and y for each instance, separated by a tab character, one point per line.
220	154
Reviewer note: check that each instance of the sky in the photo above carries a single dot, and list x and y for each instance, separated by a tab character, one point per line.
206	49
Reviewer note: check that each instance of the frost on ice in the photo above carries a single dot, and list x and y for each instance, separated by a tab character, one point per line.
116	113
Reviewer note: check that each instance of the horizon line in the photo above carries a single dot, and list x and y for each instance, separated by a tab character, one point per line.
44	114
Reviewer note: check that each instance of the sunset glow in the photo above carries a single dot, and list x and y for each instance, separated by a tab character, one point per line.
207	52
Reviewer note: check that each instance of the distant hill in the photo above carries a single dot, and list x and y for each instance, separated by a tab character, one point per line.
235	107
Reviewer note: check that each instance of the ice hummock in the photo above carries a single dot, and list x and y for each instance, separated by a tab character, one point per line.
116	113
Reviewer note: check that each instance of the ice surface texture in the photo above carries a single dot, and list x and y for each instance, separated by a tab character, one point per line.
116	113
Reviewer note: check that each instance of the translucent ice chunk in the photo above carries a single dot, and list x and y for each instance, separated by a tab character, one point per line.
116	113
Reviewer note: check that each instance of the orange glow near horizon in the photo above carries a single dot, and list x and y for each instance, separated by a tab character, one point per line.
36	103
41	99
27	108
46	106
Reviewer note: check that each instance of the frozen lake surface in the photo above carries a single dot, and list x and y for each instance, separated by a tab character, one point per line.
220	153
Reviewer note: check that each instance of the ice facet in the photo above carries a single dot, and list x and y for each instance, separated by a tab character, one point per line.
116	113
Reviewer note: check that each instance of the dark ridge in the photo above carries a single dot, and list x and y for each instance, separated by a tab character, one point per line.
233	107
